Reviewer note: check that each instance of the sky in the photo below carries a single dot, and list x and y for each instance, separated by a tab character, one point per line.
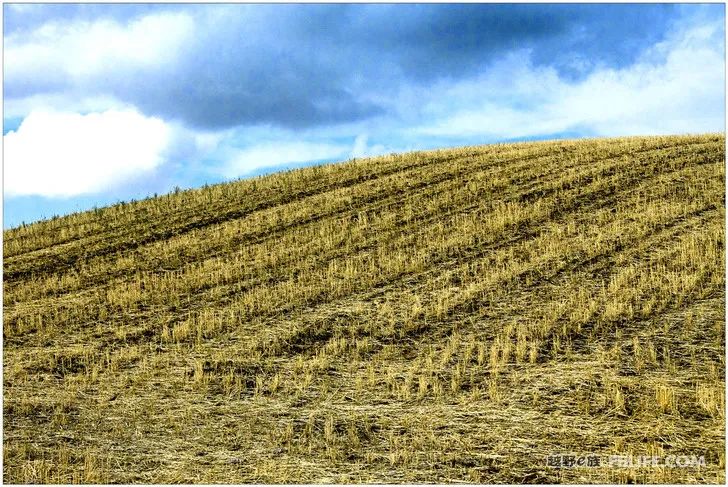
112	102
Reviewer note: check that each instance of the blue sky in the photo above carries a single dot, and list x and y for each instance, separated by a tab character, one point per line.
109	102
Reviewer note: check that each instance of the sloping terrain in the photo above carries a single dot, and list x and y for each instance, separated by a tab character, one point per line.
446	316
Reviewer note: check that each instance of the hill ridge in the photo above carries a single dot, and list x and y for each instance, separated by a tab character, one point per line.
453	314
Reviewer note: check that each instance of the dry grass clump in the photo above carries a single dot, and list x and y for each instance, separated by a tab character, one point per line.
445	316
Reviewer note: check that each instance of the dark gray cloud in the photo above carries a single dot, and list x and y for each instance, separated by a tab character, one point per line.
311	65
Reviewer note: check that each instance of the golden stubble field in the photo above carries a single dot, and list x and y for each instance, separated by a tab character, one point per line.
445	316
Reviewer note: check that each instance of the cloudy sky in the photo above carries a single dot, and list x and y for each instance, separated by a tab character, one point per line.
111	102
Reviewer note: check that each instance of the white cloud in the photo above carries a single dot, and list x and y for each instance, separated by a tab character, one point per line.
363	149
83	50
65	154
270	154
360	146
677	86
61	102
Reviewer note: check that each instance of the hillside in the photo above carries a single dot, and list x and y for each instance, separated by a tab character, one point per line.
445	316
